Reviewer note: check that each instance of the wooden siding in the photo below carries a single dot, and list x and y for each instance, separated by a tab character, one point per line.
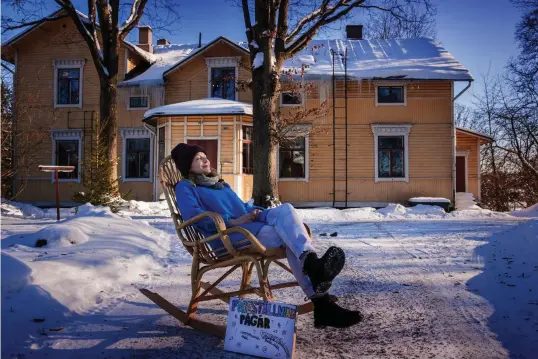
190	81
465	142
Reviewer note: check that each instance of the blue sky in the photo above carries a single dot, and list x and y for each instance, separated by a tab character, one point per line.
479	33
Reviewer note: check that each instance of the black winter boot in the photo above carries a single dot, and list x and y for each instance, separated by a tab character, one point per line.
322	271
329	314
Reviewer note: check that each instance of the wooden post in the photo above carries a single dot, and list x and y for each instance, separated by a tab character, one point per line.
57	196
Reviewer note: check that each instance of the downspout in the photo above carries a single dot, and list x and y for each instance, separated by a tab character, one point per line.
453	130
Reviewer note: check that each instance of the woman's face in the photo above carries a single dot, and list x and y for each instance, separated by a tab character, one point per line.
200	164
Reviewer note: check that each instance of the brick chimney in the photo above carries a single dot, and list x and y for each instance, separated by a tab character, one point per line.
163	42
145	38
354	32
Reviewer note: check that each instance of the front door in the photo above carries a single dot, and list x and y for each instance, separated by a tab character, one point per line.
461	174
211	147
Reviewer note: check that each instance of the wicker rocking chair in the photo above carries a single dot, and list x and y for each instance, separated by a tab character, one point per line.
252	254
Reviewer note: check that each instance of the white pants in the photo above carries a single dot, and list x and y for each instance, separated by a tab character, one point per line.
284	228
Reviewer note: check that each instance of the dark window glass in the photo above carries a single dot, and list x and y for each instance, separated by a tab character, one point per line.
67	155
292	158
138	102
223	83
248	158
161	144
390	94
290	98
68	86
137	158
391	156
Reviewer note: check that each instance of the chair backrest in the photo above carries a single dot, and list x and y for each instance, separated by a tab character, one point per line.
169	177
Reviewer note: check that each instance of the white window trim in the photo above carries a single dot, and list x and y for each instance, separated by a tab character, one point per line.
282	104
241	148
129	108
464	153
304	130
67	135
218	62
391	85
391	130
136	133
68	64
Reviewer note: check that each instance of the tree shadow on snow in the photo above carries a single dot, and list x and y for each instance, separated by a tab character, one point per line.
509	283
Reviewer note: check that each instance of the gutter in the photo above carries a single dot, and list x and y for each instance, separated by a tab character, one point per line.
453	130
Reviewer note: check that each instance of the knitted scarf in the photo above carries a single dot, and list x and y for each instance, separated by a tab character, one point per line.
211	180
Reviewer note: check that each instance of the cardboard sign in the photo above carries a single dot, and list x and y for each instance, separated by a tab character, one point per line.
264	329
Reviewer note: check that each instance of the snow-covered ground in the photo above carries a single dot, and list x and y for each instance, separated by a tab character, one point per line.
431	284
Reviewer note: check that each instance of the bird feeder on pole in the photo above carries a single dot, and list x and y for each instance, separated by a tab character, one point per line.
56	169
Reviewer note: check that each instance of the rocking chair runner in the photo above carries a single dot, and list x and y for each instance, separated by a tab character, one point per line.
205	259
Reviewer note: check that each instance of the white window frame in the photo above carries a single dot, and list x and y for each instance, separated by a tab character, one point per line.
391	130
67	135
241	147
68	64
136	133
465	153
282	104
222	62
304	131
137	108
377	85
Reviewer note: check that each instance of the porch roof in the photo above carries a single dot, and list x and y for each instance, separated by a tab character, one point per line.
483	137
204	107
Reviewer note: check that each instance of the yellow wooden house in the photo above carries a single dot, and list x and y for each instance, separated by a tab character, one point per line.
390	129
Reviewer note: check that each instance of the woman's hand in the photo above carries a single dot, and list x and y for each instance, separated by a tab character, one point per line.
246	218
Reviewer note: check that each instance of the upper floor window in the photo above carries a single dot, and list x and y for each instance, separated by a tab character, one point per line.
138	102
223	83
68	80
390	95
68	86
248	157
291	99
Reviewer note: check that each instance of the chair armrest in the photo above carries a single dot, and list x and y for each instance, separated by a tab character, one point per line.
249	236
217	219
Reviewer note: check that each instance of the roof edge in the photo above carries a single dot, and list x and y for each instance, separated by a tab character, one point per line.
201	50
475	134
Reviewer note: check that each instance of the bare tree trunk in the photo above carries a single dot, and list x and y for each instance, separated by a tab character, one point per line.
108	129
265	98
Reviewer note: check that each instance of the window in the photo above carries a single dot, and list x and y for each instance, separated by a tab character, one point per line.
391	152
223	83
390	156
248	157
137	158
291	99
390	95
138	154
292	158
162	146
138	102
67	154
68	86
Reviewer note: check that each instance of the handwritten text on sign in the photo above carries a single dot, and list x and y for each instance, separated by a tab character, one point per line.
264	329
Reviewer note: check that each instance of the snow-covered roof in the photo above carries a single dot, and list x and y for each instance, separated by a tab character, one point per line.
207	106
404	59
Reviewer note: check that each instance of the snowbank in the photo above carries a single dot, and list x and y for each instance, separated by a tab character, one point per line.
532	211
88	261
17	209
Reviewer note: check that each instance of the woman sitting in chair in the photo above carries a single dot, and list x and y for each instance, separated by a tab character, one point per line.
202	190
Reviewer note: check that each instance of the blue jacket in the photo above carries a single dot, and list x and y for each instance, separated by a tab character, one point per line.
193	200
